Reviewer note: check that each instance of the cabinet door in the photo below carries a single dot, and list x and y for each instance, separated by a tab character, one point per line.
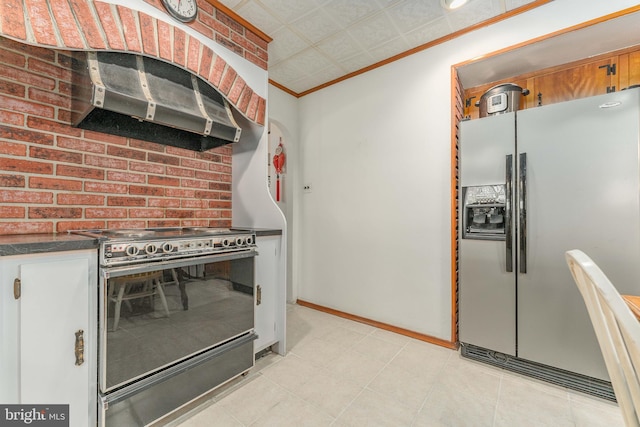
266	292
54	305
572	83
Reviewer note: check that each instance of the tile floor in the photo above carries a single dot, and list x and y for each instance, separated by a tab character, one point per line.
343	373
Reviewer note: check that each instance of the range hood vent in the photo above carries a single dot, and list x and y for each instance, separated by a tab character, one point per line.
148	99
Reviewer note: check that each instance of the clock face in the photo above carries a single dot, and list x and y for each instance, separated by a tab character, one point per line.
182	10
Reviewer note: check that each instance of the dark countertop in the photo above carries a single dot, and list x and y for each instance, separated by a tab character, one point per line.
21	244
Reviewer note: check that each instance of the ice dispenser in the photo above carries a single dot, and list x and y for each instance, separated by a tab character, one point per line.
484	213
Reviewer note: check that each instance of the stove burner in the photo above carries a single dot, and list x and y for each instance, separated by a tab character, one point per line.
130	233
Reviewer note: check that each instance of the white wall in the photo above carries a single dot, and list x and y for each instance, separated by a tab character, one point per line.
374	235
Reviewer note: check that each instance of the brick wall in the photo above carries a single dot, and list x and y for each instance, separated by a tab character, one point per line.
54	177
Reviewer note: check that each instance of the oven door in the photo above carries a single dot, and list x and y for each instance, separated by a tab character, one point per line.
159	315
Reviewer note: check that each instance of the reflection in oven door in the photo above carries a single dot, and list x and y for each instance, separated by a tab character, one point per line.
159	320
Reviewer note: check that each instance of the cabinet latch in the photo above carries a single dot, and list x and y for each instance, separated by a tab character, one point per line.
611	89
17	288
611	69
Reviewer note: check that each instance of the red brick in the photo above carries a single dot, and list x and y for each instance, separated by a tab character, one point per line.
80	199
13	149
44	53
40	21
125	201
163	181
179	46
55	155
202	29
205	62
227	80
194	183
217	70
13	89
81	145
180	193
164	223
48	212
67	24
15	134
229	22
105	162
125	152
12	181
12	16
218	204
177	213
182	152
88	25
193	55
209	176
64	226
146	145
146	213
217	167
26	107
240	40
252	110
164	41
194	204
216	25
105	213
24	76
79	172
262	63
203	213
109	24
143	190
99	187
147	167
130	28
52	126
229	45
256	39
26	166
25	227
8	57
49	98
48	69
125	224
225	214
164	203
245	97
161	158
11	118
12	212
54	184
236	90
148	31
20	196
205	7
173	171
211	156
220	186
262	111
200	194
104	137
125	177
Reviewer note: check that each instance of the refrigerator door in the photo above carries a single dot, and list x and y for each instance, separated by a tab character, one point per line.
487	290
582	193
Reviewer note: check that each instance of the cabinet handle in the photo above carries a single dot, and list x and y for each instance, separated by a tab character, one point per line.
258	295
79	347
17	288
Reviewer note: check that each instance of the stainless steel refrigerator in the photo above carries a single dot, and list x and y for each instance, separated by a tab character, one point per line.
534	184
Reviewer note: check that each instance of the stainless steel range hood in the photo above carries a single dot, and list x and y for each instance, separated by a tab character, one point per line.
148	99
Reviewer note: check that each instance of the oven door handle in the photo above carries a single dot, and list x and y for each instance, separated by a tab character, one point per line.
145	267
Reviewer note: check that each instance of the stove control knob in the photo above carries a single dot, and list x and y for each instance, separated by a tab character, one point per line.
239	241
226	242
131	250
150	248
249	240
167	247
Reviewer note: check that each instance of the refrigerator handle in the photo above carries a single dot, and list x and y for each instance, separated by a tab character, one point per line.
507	220
522	209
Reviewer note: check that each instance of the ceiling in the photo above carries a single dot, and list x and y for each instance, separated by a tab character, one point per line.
318	41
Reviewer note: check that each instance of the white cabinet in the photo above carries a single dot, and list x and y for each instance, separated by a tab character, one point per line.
48	331
270	301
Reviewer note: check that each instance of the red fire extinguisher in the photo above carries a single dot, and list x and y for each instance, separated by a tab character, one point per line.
278	163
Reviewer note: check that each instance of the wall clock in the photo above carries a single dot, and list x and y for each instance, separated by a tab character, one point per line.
182	10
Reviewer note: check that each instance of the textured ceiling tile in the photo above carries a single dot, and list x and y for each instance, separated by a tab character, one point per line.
432	31
373	31
357	62
389	49
411	14
513	4
316	26
259	17
472	13
346	12
340	46
283	73
285	44
309	61
289	10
